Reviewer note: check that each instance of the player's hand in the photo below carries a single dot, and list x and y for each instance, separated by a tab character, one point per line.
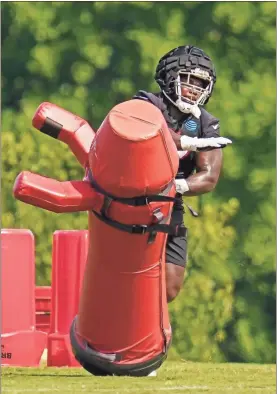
181	186
195	144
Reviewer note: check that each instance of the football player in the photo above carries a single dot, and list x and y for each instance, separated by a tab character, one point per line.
186	76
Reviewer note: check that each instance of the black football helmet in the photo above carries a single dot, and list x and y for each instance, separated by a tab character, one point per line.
175	70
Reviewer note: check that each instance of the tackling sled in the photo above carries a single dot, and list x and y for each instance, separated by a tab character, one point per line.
122	326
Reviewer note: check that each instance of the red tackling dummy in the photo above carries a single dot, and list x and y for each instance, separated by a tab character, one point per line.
51	194
56	196
68	128
122	326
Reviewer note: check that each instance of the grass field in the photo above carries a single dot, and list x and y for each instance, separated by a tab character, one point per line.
173	378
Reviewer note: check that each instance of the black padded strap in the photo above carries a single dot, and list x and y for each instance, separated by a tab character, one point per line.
143	228
51	127
134	201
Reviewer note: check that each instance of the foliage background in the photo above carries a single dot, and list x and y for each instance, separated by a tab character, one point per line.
86	57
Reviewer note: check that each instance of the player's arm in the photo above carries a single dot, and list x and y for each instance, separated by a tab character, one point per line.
208	167
183	142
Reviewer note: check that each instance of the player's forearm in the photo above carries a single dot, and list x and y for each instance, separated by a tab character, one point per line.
208	166
195	144
200	183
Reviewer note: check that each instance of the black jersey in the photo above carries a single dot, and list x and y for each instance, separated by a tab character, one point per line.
204	127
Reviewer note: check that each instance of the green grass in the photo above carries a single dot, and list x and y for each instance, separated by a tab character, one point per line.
173	378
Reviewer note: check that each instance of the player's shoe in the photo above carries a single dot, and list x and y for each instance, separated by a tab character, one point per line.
153	373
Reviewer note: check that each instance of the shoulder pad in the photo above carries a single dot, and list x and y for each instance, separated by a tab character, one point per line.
151	97
210	124
207	118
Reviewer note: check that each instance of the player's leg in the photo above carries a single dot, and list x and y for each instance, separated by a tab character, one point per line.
176	258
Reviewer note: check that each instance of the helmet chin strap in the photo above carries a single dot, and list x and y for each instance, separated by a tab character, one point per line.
184	107
188	108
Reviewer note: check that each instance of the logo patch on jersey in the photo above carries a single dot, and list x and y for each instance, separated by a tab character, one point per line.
190	125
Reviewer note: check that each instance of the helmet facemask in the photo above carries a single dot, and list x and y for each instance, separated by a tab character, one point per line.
197	95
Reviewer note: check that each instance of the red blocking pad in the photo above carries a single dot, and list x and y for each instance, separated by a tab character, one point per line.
43	307
21	344
69	256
